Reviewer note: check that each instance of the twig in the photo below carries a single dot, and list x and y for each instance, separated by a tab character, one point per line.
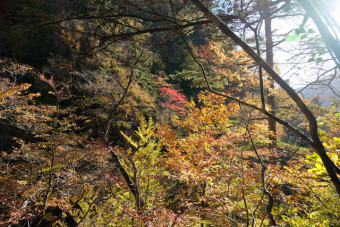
263	177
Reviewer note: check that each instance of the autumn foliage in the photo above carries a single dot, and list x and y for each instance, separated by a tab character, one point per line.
104	123
172	99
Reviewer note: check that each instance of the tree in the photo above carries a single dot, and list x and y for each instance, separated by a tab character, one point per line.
99	133
324	24
270	60
199	148
315	141
38	173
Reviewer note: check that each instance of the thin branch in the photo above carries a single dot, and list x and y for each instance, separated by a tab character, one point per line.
243	194
330	166
263	175
119	102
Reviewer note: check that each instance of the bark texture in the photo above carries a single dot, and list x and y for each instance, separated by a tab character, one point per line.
270	61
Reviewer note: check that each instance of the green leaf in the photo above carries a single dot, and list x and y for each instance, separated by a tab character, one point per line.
311	30
320	59
303	36
291	38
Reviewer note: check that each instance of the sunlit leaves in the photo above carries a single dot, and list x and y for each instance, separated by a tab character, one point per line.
224	67
333	145
172	99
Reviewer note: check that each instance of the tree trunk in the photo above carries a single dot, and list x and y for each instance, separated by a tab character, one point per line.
270	61
313	128
331	43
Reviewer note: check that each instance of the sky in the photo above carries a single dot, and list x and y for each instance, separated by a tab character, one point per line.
302	72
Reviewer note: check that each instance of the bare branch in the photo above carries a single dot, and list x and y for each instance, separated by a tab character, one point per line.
331	168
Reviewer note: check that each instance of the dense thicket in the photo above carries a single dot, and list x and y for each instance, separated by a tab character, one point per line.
146	113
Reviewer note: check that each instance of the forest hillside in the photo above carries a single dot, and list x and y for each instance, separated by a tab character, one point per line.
167	113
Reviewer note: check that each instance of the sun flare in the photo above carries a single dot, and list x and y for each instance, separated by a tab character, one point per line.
335	13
